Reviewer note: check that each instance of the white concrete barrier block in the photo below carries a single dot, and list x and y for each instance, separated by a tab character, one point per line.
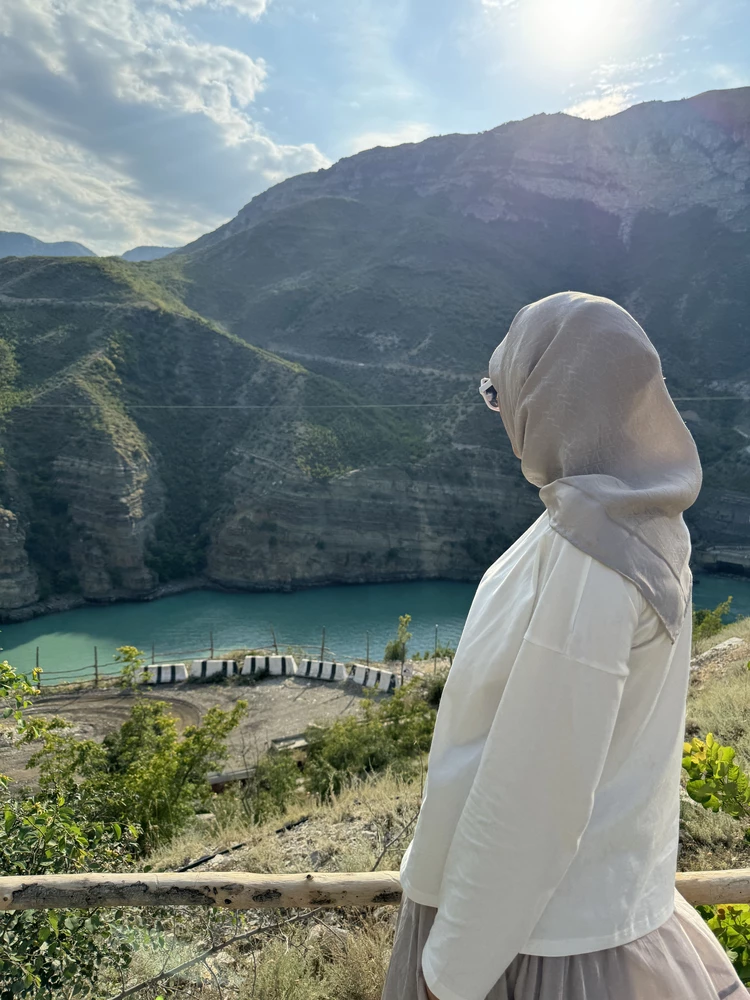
276	666
165	673
209	668
381	680
322	670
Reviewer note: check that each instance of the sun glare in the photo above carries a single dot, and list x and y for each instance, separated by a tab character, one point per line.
569	31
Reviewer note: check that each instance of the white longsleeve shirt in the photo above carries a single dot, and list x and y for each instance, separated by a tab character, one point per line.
549	823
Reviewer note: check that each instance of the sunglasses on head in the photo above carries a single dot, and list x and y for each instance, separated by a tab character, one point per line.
489	394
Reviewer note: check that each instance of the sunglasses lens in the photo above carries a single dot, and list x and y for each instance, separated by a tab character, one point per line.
489	394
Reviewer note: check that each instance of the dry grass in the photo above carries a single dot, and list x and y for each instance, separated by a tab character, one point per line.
739	629
337	956
721	705
347	834
331	955
710	841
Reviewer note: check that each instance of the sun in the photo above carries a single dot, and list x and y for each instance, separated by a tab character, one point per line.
572	31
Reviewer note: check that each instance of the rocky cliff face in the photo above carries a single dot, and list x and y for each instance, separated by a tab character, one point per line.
19	585
368	526
113	503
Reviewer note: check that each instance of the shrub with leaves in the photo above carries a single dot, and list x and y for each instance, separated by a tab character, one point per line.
432	685
389	735
731	925
707	622
395	650
42	951
132	667
272	785
439	653
144	773
16	695
717	783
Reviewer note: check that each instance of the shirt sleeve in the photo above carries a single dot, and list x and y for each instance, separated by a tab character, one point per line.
533	792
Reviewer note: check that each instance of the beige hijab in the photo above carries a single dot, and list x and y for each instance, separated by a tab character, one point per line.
583	399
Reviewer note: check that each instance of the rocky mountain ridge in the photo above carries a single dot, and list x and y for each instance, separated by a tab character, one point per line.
660	156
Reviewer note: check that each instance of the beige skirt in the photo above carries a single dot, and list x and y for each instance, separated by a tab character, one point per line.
681	960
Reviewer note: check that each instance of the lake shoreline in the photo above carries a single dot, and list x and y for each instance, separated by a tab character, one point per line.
72	602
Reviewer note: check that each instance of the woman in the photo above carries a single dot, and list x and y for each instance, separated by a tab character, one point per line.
543	861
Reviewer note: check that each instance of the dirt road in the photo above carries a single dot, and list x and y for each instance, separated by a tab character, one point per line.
277	706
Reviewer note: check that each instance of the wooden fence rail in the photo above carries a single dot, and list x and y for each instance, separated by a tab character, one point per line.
243	891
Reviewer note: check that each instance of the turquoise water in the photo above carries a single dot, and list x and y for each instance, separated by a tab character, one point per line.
180	627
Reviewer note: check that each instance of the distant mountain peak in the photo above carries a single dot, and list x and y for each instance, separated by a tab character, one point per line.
23	245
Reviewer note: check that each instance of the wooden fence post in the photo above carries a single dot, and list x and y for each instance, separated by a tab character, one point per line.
96	667
323	645
273	636
368	648
212	644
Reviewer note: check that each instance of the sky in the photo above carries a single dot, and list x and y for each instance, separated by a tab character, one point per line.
128	122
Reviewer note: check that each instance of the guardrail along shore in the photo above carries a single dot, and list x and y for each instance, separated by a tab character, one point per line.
315	659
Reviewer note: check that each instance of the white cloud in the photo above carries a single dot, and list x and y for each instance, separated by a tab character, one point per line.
613	100
407	132
729	76
618	85
120	127
495	5
251	8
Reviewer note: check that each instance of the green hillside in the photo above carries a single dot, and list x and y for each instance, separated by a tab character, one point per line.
124	412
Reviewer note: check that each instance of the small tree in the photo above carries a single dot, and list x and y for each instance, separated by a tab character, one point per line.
133	669
707	622
395	650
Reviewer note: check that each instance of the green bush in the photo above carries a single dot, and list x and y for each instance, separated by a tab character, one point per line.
43	951
144	773
132	667
391	735
347	748
731	925
432	685
48	950
272	786
395	650
439	652
717	783
707	622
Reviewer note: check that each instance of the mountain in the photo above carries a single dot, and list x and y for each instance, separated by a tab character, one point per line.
21	245
352	312
147	253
